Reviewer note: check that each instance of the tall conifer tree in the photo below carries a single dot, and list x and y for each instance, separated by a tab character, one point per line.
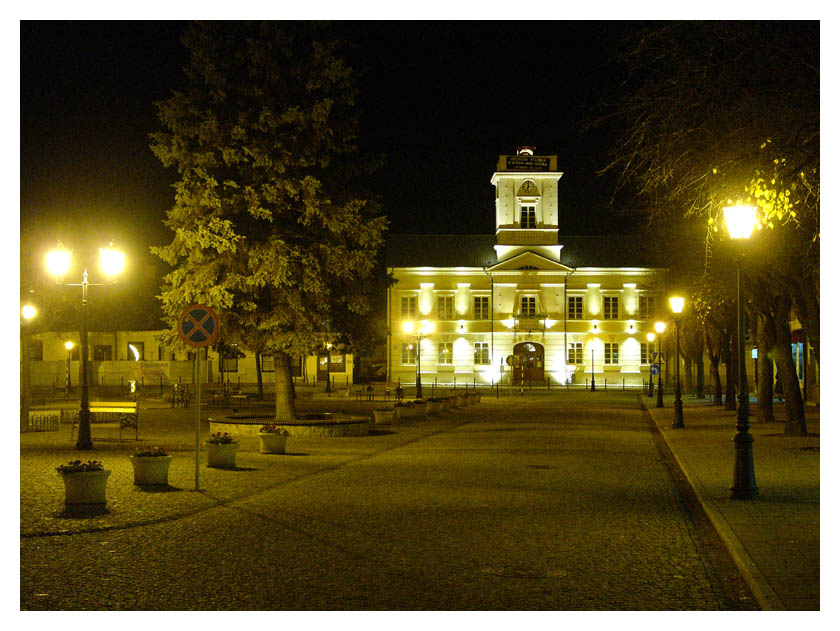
271	225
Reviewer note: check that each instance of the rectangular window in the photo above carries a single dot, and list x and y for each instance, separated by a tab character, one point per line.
528	217
481	308
646	350
409	306
36	351
296	364
337	362
481	354
267	363
135	351
575	307
528	306
445	307
102	353
575	352
610	307
230	364
409	353
610	353
645	307
445	353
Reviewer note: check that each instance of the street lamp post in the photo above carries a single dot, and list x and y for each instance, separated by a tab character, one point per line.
650	338
677	303
739	222
27	312
329	358
58	263
660	329
68	386
422	328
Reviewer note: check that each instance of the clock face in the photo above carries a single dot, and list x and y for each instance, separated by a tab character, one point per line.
528	188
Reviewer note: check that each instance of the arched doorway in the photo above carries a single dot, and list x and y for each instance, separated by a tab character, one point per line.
531	364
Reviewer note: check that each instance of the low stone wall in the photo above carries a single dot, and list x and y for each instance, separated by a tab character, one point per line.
320	425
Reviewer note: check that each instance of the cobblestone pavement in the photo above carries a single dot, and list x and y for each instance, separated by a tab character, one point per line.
776	536
560	502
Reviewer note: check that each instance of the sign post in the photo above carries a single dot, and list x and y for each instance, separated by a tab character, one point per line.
198	326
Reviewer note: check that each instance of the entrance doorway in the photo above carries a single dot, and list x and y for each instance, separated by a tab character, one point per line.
531	364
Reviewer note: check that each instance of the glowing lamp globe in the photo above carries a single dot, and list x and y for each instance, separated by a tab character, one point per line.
739	221
58	262
677	303
68	345
660	327
28	312
111	261
650	337
408	326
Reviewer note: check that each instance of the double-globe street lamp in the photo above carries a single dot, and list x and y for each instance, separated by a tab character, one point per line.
28	313
660	329
111	263
419	329
740	221
677	303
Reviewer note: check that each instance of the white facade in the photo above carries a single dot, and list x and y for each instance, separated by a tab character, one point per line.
579	320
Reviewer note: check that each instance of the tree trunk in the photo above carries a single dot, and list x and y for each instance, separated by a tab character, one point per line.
766	337
795	425
284	396
700	384
714	369
258	358
731	369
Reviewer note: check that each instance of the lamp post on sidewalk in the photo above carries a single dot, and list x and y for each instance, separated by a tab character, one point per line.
68	386
739	222
660	329
677	303
58	264
420	329
650	337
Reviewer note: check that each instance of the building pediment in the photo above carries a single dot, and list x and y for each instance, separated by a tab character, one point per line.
529	260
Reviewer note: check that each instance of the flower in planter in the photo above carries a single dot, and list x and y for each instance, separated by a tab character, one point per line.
405	404
77	466
274	429
418	402
150	452
383	409
220	438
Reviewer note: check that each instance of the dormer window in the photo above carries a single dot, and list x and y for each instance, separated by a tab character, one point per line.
528	216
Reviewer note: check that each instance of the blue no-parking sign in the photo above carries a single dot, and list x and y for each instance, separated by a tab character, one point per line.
654	369
198	325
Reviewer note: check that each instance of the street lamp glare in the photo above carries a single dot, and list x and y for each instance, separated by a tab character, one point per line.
28	312
651	337
68	345
660	327
111	261
740	221
408	326
58	262
427	327
677	303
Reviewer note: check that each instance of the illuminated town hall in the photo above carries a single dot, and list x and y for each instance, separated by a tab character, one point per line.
528	303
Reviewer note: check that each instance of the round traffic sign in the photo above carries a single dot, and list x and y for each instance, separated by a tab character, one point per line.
198	325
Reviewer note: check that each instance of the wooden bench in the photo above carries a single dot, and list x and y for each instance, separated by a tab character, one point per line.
112	415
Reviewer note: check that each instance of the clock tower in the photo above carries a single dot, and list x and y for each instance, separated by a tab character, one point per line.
526	205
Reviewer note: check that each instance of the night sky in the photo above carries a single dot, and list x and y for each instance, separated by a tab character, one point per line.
442	100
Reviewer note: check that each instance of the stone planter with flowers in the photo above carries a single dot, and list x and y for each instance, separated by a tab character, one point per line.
151	466
273	439
221	451
84	482
383	416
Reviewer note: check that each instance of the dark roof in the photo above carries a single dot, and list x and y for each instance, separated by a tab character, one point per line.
459	250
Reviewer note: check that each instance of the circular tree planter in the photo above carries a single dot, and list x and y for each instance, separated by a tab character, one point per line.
85	488
221	456
272	443
151	469
383	416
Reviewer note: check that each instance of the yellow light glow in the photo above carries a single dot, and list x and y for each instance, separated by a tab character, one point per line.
58	262
426	327
462	325
740	221
408	326
550	323
134	352
677	303
28	312
660	327
69	345
111	262
651	337
509	322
